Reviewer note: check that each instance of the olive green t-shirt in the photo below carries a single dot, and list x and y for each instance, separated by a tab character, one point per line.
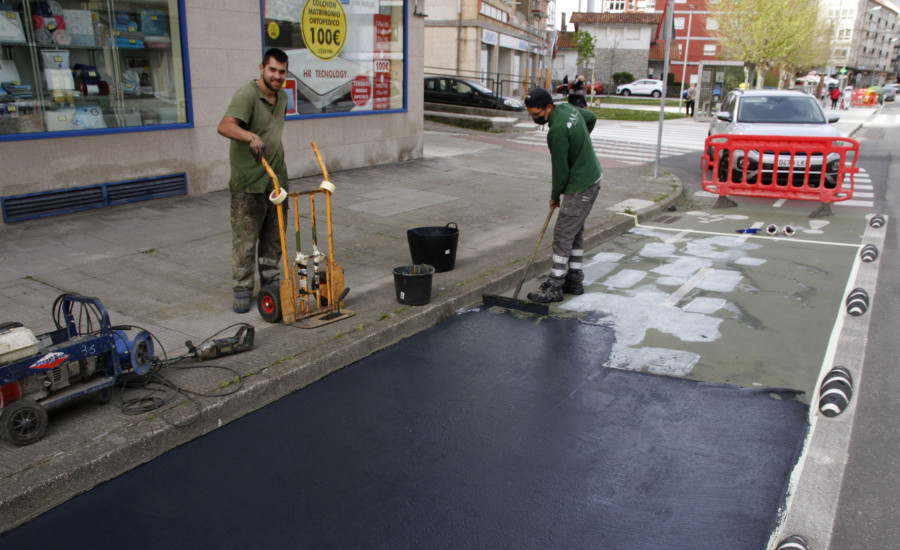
262	118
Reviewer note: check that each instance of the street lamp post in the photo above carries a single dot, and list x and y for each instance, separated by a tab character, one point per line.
684	60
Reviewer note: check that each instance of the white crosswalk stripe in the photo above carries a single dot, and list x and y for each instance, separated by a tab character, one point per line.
863	190
635	142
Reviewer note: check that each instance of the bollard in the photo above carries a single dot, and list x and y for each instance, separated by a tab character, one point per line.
788	231
869	253
837	389
771	230
794	542
877	221
857	302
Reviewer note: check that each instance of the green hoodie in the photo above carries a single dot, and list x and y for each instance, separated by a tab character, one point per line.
575	165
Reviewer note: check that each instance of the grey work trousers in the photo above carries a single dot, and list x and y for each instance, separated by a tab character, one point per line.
568	235
255	239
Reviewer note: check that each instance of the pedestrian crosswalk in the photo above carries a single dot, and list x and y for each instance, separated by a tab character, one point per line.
863	191
884	119
633	143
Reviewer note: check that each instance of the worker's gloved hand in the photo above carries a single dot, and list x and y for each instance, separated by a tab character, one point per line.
258	151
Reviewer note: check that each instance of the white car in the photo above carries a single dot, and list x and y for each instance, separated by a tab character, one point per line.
645	86
775	113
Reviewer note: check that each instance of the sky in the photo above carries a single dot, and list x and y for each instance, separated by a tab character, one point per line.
568	7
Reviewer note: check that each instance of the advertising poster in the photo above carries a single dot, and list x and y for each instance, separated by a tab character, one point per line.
344	56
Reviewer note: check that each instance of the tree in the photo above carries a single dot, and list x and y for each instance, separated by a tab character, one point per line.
772	34
586	48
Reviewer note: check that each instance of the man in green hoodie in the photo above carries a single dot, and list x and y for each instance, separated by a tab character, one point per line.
576	182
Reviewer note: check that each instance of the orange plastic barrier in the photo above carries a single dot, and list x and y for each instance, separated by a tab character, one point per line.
862	97
784	167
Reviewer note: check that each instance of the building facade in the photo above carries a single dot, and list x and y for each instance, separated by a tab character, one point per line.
497	43
102	93
866	41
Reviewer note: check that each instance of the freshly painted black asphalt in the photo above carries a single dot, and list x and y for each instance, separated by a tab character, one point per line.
489	430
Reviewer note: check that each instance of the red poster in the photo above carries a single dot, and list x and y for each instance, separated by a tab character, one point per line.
381	83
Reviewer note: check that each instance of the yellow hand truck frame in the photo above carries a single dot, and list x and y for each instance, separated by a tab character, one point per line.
311	291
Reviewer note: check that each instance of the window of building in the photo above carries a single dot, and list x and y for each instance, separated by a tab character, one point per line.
615	5
343	58
709	49
712	24
678	22
94	66
493	12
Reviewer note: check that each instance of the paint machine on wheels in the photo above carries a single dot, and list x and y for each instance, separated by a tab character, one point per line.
83	356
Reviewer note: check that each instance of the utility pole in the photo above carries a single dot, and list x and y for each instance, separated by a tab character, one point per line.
669	35
684	60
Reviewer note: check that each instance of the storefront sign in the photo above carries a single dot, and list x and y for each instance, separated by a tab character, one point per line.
346	55
489	37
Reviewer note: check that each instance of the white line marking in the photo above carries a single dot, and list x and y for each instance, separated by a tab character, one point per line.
687	287
676	238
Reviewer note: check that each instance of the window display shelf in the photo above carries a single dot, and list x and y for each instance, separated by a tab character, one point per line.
70	65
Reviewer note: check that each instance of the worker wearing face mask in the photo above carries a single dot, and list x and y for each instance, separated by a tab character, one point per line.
576	183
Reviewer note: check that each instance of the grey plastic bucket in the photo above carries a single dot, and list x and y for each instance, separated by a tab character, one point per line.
435	246
413	284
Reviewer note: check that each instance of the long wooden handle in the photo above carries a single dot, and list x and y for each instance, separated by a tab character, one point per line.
536	246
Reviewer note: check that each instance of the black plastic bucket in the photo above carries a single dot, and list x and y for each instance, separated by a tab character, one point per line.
413	284
435	246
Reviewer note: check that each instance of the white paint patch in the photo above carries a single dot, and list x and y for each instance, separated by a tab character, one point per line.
633	316
658	250
600	266
747	260
720	280
682	268
704	305
626	278
666	362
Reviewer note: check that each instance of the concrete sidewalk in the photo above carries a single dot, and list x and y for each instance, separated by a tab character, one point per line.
164	266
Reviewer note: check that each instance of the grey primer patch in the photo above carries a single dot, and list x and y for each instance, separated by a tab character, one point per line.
488	430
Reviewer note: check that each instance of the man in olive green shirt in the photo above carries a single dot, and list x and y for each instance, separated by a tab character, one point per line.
253	122
576	182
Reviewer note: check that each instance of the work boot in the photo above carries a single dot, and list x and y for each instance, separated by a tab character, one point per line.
574	282
550	291
242	299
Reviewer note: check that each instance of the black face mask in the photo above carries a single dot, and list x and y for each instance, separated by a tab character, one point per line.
540	120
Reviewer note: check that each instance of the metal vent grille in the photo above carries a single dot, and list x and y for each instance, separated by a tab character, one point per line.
51	203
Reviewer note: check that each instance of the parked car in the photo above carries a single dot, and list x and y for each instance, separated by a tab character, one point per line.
644	86
890	91
775	113
598	88
458	91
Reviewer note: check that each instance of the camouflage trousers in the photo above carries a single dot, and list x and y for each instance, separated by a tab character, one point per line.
255	239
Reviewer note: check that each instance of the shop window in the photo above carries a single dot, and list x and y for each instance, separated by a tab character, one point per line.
90	66
343	58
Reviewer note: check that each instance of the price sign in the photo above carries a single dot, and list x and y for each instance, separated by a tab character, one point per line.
324	27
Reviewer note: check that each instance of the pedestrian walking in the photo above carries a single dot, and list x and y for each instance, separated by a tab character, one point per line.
254	121
691	97
566	86
576	95
576	175
835	96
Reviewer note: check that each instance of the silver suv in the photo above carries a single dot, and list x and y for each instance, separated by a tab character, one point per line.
775	113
